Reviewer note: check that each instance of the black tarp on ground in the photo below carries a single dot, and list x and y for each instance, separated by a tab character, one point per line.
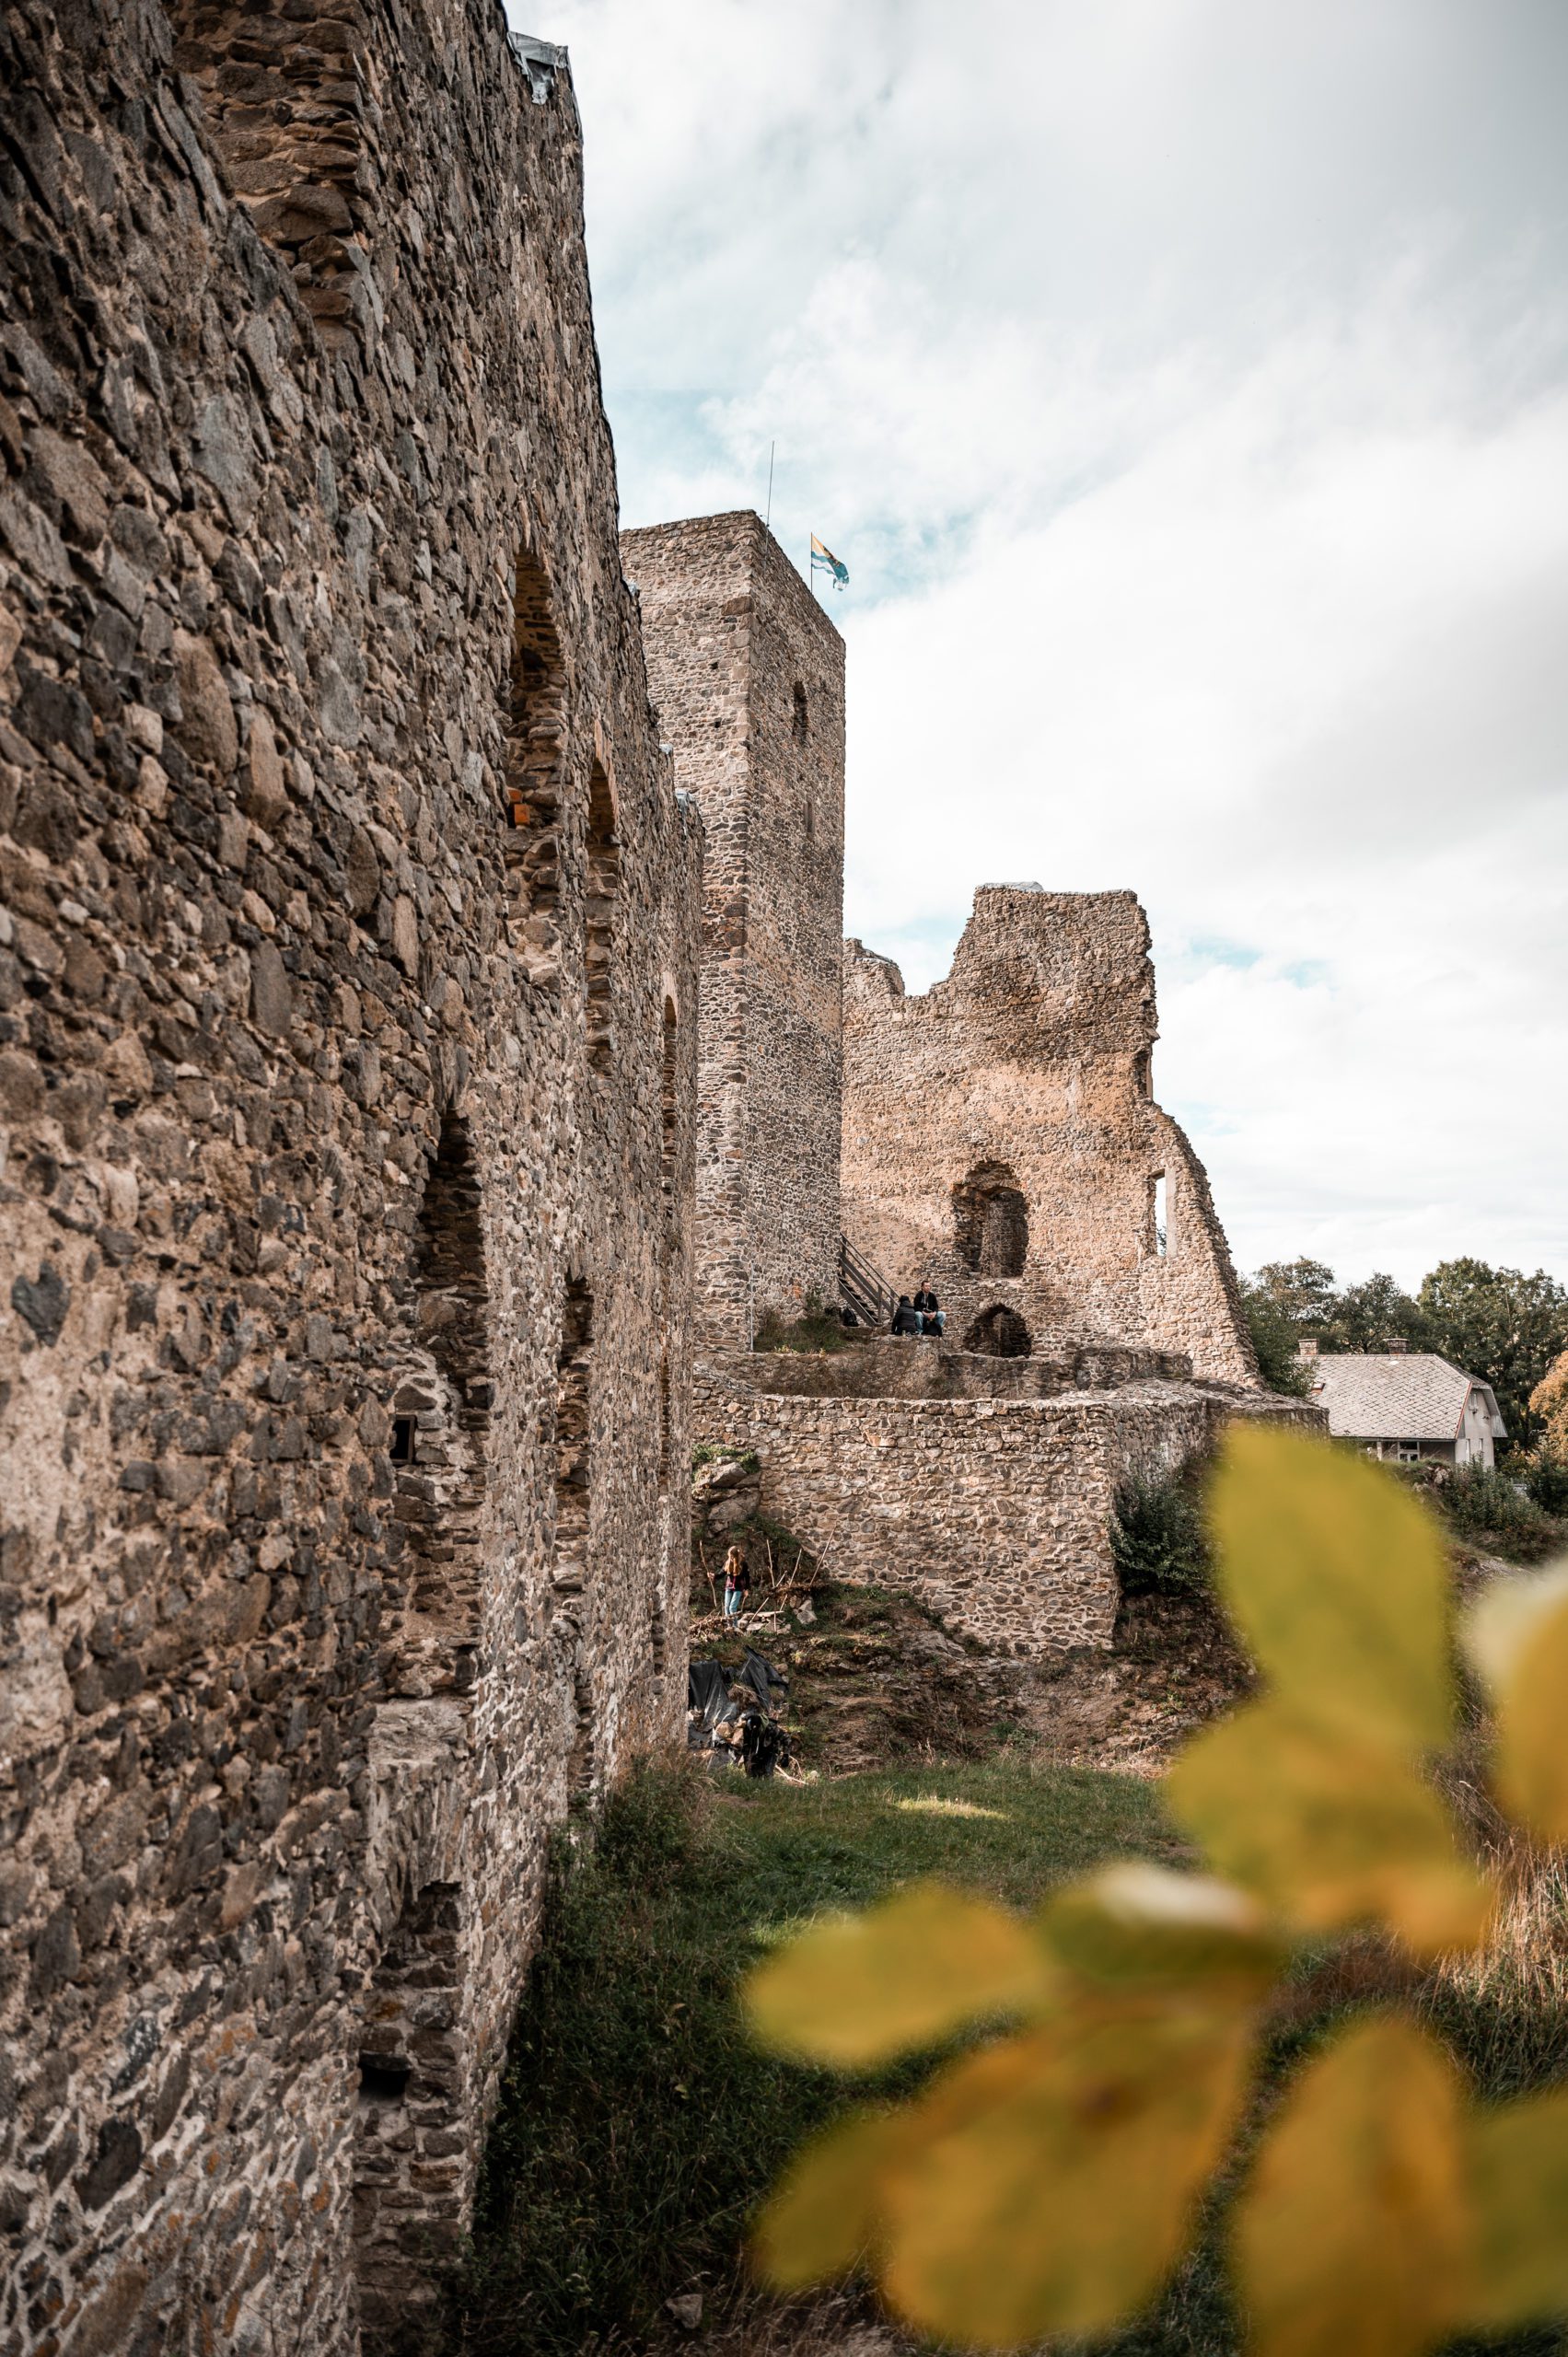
748	1699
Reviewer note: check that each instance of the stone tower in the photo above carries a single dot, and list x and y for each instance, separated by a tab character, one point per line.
748	676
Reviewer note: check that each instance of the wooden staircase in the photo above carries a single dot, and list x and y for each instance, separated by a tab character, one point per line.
865	1290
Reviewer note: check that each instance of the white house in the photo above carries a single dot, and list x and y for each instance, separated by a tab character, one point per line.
1407	1404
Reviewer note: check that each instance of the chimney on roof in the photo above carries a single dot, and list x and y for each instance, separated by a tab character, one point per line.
1397	1344
1307	1349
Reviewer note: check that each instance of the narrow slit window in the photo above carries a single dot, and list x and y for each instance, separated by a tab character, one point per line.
1162	1228
404	1430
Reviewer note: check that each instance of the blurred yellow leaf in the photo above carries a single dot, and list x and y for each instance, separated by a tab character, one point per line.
1353	2235
1133	1925
1516	1634
855	1990
1336	1577
1519	2168
1048	2186
1327	1830
820	2220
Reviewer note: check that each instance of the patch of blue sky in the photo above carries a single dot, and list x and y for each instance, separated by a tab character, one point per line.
1211	950
923	950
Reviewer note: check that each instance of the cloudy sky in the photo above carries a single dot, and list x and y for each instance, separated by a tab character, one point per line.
1185	384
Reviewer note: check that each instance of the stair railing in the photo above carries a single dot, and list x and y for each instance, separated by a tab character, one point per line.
866	1291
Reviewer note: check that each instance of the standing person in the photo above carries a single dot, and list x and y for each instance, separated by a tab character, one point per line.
737	1584
906	1317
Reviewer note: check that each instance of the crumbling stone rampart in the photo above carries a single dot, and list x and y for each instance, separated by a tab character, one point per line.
747	674
1001	1143
347	1044
996	1511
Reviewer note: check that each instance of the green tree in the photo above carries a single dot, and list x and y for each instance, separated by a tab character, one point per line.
1500	1326
1370	1316
1274	1337
1287	1303
1301	1290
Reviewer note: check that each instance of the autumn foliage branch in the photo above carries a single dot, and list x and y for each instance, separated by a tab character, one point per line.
1050	2179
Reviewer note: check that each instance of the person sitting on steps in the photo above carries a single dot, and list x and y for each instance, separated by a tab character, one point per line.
906	1317
932	1316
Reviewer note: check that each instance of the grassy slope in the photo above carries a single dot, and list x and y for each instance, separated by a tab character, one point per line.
638	2125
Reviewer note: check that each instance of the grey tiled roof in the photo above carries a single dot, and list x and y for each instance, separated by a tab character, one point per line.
1396	1395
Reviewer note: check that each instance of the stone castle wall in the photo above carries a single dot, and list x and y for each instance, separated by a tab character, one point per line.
995	1512
347	986
1001	1142
747	673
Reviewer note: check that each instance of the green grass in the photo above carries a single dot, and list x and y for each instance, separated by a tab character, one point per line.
638	2125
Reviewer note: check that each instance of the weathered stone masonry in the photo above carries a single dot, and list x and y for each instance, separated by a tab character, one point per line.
347	994
1001	1140
747	674
995	1511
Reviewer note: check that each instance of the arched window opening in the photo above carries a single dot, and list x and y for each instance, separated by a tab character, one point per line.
669	1107
991	1221
800	718
999	1333
410	2133
603	893
440	1412
535	751
290	122
573	1440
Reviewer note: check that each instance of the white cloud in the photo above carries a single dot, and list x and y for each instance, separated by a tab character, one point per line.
1187	387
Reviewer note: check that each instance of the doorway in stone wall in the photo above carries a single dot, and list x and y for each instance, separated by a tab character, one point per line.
991	1221
440	1406
412	2130
999	1332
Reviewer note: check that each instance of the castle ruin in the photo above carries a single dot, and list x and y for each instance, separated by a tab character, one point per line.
376	1156
348	983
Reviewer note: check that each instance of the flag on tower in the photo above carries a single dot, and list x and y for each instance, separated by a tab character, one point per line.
824	560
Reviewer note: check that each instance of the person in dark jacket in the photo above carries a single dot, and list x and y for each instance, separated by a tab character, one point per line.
906	1317
932	1316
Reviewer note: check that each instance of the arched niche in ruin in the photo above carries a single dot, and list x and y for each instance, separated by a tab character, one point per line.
999	1332
600	922
411	2125
440	1410
991	1221
534	790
